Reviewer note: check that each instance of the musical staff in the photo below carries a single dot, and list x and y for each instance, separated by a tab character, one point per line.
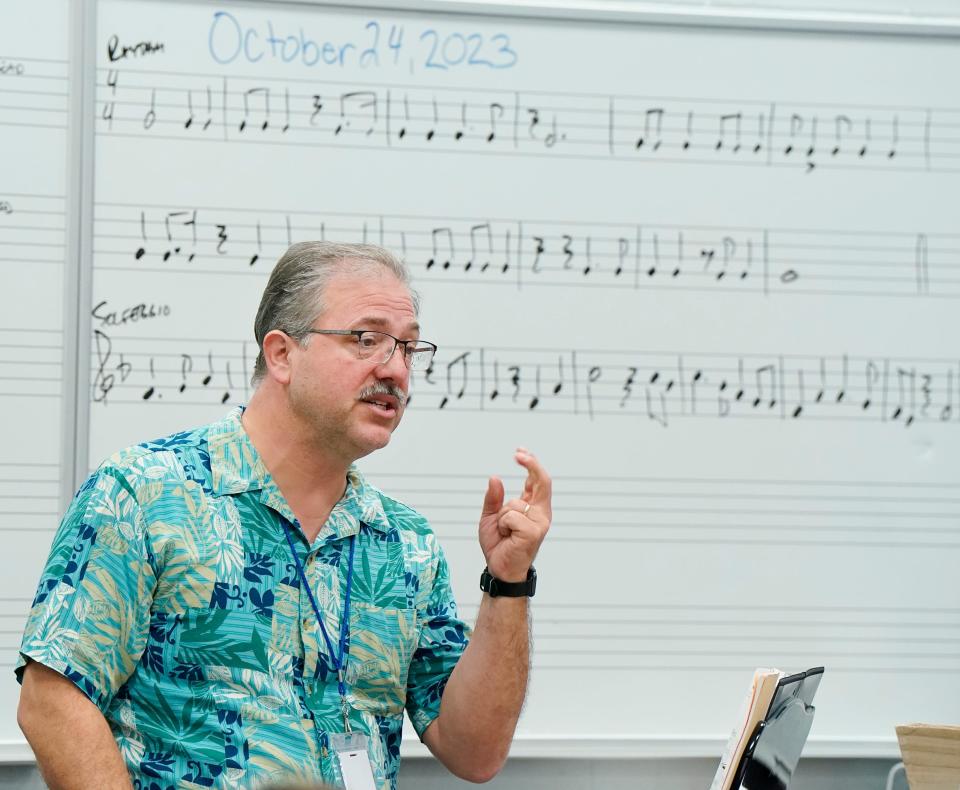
639	518
30	363
526	252
466	120
29	497
634	511
659	388
146	370
33	92
34	101
706	637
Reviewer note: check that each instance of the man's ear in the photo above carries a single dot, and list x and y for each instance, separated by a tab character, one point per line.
277	349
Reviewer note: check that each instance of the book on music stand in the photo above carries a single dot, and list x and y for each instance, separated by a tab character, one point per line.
764	750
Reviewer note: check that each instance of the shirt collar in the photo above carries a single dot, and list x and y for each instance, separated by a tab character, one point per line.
236	468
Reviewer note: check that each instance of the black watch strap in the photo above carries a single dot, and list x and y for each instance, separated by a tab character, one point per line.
495	588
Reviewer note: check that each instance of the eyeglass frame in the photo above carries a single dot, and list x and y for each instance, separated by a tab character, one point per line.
358	333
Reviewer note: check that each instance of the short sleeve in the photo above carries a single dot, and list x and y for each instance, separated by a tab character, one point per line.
442	639
91	615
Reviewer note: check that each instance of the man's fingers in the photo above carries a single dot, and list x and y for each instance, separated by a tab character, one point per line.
493	500
537	488
520	506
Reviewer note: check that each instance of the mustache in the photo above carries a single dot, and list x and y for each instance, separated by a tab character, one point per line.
383	388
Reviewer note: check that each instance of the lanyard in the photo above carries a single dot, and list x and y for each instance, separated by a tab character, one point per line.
340	657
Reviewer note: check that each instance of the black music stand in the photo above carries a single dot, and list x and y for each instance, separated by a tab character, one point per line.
773	751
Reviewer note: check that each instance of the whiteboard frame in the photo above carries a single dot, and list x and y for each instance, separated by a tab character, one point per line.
669	14
78	275
609	748
78	279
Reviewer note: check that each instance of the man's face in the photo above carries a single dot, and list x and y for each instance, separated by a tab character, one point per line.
328	381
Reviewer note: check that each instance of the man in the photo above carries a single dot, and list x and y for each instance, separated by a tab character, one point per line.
236	604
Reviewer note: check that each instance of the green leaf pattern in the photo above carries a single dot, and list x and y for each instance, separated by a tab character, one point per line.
171	599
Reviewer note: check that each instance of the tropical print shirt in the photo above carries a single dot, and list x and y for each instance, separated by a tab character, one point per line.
172	600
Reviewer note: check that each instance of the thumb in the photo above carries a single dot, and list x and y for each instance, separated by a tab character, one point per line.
493	500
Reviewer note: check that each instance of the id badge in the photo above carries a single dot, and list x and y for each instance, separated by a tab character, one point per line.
354	758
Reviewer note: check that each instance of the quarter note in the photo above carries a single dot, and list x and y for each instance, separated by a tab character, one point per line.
871	376
142	249
458	135
535	400
496	112
558	387
151	390
436	120
866	138
798	409
406	116
256	256
761	123
209	377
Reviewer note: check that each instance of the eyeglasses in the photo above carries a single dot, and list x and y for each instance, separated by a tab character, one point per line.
379	346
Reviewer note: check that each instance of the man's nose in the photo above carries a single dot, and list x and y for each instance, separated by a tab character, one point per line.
395	368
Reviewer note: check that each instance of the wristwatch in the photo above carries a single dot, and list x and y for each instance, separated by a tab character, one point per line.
495	588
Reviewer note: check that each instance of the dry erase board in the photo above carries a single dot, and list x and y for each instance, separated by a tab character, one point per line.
710	275
34	145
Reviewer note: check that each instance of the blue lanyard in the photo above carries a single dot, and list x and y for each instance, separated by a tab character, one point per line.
341	657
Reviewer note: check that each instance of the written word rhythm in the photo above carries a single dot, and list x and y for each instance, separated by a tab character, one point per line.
465	120
656	387
532	252
375	46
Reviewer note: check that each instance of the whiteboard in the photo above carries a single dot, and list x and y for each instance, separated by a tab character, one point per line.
708	275
33	252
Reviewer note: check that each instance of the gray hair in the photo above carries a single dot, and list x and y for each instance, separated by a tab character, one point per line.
293	298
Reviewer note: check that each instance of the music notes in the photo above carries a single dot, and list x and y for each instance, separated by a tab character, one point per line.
528	253
659	388
465	120
149	370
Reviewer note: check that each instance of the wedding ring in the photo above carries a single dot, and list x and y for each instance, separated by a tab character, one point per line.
526	508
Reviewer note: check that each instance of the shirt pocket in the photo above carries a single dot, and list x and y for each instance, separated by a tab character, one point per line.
382	642
224	638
